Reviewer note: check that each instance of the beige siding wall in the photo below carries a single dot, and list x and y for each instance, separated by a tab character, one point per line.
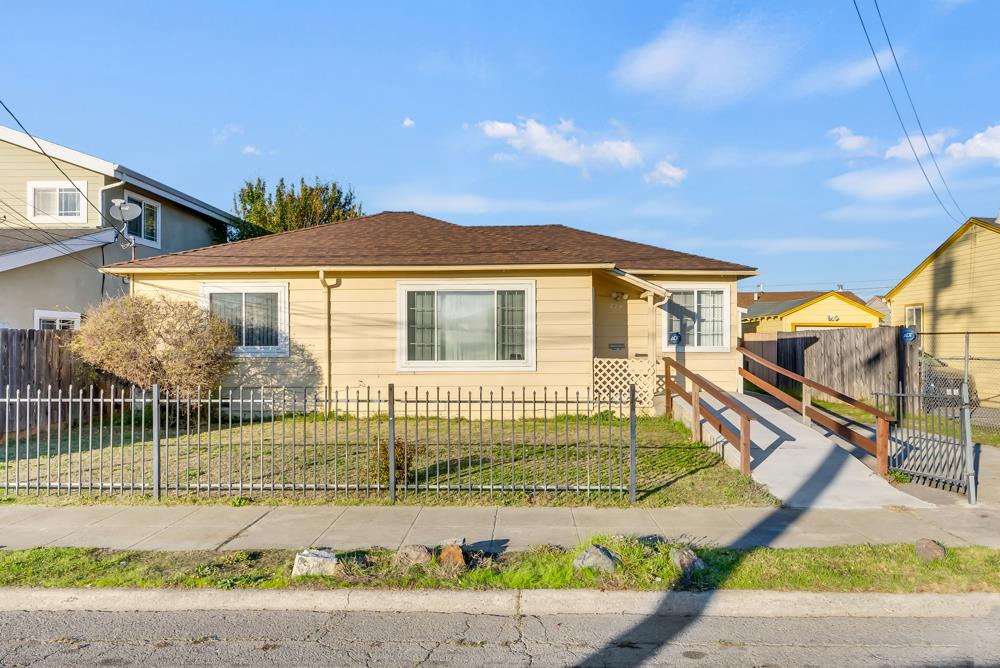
18	166
960	291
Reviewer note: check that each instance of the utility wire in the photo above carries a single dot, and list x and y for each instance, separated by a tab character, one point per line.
899	116
53	240
914	108
56	165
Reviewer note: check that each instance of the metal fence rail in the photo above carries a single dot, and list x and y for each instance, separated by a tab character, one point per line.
316	443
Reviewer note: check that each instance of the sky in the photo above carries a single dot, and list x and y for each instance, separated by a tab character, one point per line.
759	133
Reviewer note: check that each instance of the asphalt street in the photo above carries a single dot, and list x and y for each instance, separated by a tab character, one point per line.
397	639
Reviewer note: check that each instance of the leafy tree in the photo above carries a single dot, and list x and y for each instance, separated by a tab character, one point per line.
263	212
157	340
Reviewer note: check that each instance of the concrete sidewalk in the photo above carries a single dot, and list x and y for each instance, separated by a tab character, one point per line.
488	528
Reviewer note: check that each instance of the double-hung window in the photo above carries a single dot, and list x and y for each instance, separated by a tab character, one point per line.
475	326
258	314
144	228
57	201
915	317
697	318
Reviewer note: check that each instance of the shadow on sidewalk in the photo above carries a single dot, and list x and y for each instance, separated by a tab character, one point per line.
646	639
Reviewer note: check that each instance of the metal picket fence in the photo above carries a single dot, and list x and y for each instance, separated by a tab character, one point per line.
360	442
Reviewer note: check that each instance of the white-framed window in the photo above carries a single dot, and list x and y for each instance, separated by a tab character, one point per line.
697	318
56	201
145	228
915	317
466	325
56	319
257	312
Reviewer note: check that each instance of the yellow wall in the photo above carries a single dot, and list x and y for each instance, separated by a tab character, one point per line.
363	346
847	313
960	291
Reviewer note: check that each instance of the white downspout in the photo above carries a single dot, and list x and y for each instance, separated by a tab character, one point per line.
329	330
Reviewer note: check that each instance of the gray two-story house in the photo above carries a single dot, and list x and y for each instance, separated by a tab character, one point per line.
53	238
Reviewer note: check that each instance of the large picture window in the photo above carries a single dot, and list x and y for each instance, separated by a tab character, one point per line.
697	319
258	315
468	326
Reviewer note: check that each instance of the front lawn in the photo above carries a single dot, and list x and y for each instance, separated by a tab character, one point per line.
341	458
645	566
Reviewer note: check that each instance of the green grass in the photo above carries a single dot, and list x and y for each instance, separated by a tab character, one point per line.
645	566
431	453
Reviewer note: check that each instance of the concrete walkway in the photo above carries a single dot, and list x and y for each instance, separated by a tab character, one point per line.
799	465
487	528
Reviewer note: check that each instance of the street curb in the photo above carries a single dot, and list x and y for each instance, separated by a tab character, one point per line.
731	603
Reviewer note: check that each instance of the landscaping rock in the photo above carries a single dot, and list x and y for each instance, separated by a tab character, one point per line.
685	560
409	555
314	562
929	550
597	557
452	557
452	541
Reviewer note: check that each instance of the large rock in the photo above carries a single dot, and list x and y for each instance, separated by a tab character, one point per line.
685	560
598	558
452	557
408	555
929	550
314	562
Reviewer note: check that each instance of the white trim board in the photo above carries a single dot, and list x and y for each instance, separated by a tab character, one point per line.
44	252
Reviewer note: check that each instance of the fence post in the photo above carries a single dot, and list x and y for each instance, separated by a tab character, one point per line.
744	445
696	412
806	402
881	446
156	442
668	397
392	443
631	442
970	448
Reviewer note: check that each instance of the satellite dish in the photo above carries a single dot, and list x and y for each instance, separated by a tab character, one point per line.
123	211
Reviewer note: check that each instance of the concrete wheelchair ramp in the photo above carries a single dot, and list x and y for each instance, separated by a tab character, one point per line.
799	465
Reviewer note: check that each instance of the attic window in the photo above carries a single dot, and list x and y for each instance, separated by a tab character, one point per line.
57	201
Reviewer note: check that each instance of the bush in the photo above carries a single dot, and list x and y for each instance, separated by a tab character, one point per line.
156	340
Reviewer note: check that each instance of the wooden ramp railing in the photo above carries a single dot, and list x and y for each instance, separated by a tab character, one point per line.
878	446
699	384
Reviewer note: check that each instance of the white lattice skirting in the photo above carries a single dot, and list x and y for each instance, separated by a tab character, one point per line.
614	375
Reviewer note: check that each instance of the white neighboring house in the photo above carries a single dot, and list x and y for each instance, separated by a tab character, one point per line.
52	239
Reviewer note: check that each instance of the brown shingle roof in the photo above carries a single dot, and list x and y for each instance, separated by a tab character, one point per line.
745	299
403	238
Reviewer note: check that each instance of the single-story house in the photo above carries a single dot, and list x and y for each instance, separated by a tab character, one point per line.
804	310
56	230
956	289
398	297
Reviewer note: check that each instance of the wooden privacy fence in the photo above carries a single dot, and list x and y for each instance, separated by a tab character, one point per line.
853	361
39	359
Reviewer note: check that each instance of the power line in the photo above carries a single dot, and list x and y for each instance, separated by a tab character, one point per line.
899	116
914	108
53	240
65	175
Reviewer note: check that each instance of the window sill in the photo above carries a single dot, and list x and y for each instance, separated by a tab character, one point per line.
245	352
466	366
139	241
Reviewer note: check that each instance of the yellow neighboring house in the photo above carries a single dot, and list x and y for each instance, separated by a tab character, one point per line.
766	312
956	289
402	298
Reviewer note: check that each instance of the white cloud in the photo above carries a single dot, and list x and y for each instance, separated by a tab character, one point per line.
474	204
847	141
902	151
666	174
842	77
985	144
857	213
880	183
788	245
250	149
533	138
408	122
226	132
705	65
